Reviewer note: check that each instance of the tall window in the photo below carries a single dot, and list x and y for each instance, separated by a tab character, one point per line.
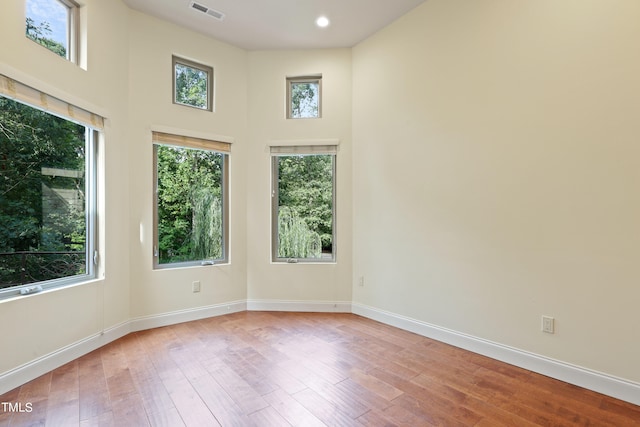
191	208
54	25
47	197
303	203
304	96
192	84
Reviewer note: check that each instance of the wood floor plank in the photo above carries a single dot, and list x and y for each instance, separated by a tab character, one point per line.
340	397
377	386
222	406
128	411
238	389
254	377
103	420
275	374
187	401
376	418
94	398
267	417
166	417
155	398
300	369
37	417
400	415
324	410
291	410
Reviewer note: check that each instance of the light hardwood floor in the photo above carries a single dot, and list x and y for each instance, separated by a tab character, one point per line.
301	369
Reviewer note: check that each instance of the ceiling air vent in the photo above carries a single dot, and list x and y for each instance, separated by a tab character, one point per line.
204	9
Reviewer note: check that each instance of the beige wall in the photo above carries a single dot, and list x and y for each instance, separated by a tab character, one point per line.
496	155
324	283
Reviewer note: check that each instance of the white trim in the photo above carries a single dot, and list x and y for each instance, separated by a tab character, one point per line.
40	366
577	375
300	306
188	315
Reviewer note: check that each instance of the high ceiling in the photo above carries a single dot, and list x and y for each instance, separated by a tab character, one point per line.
281	24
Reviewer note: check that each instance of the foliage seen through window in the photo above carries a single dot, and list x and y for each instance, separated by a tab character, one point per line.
305	226
190	185
43	187
192	84
303	98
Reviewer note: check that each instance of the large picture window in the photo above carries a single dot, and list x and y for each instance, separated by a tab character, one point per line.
54	25
47	196
303	203
191	208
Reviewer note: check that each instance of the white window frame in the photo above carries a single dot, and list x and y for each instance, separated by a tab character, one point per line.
176	60
73	30
317	79
304	150
181	141
31	97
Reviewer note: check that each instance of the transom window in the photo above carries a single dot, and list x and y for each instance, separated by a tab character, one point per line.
47	194
191	204
192	84
303	204
54	25
304	95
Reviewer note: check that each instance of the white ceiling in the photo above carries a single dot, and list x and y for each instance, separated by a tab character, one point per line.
281	24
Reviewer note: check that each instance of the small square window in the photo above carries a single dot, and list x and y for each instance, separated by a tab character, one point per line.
54	25
192	84
304	96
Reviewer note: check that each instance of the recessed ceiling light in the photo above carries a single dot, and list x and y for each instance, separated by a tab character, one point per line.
322	22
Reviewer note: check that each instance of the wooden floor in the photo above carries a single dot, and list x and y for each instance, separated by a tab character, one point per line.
301	369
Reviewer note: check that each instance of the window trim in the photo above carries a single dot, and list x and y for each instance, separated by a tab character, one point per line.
94	123
182	141
305	150
317	78
175	60
91	224
73	30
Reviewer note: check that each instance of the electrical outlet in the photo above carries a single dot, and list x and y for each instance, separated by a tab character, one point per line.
548	325
195	286
361	281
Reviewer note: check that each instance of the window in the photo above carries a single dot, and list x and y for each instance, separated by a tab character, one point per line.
191	206
303	203
192	84
304	97
54	25
47	193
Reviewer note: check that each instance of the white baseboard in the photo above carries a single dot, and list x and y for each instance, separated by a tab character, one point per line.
299	306
602	383
40	366
596	381
181	316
